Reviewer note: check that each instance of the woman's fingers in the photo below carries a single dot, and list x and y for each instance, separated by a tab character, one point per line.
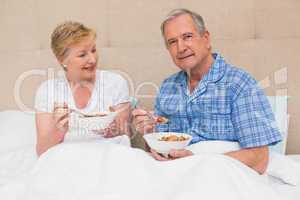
123	126
63	124
60	116
112	130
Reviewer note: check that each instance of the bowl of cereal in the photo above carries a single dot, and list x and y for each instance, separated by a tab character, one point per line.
163	142
92	121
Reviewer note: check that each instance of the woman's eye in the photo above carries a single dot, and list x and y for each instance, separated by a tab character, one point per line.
94	50
81	55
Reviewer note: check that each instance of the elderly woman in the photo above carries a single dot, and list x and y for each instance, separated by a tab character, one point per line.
81	88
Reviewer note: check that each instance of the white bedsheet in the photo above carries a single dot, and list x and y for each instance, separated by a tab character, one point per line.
16	163
85	170
286	191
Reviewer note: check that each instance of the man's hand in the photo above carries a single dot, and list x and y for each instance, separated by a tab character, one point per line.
143	121
174	154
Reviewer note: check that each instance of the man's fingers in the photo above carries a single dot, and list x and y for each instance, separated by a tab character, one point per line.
157	156
142	122
138	112
144	128
180	153
141	119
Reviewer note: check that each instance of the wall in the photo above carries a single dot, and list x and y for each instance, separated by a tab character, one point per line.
263	37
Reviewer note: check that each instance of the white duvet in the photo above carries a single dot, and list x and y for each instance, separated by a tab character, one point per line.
107	171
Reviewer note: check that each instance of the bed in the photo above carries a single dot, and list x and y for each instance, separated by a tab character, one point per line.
134	174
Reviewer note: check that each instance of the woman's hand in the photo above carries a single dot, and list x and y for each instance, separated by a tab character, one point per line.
51	128
60	121
120	125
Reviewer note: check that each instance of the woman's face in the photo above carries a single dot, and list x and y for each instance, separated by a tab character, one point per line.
81	61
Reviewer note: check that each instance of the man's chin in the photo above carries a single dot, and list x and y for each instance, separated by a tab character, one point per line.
186	68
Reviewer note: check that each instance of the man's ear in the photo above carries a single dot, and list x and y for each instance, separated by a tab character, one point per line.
206	36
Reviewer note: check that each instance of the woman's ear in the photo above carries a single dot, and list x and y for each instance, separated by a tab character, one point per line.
64	67
61	62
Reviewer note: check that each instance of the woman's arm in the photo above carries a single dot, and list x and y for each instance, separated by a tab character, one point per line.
51	129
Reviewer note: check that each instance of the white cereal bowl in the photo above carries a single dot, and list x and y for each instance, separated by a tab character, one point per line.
164	147
93	123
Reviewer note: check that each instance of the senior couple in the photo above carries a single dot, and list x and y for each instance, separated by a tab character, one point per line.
208	98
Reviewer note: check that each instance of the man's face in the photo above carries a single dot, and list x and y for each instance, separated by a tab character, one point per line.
186	46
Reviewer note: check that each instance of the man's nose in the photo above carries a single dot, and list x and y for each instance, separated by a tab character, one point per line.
181	46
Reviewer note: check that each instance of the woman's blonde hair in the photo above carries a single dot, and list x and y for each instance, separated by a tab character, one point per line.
66	34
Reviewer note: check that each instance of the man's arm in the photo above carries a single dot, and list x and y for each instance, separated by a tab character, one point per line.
254	125
256	158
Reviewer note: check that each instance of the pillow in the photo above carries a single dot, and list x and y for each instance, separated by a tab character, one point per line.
280	166
17	130
279	108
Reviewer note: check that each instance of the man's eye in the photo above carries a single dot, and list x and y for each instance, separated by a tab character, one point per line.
187	37
171	42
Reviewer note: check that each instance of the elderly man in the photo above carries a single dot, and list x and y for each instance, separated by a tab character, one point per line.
209	98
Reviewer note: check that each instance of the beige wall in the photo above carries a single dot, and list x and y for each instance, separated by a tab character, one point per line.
261	36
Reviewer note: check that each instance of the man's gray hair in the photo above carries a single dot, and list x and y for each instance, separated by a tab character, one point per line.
198	20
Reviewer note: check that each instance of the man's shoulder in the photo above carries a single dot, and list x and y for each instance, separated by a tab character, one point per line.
174	78
238	77
172	83
238	81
